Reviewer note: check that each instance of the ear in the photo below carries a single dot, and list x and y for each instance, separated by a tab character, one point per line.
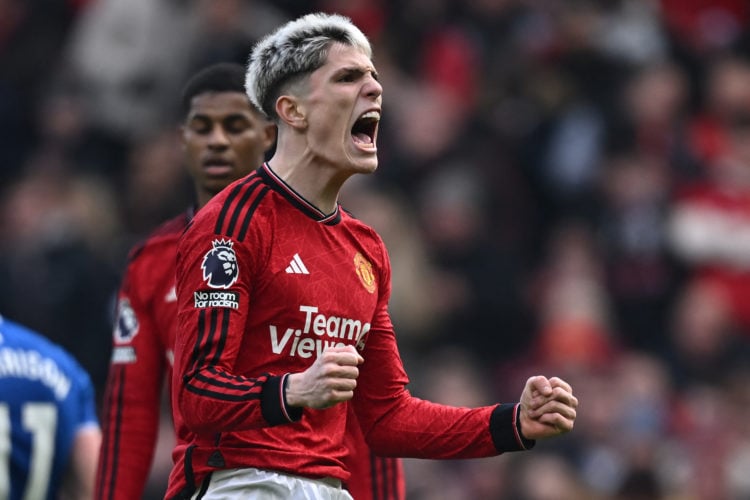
291	112
180	136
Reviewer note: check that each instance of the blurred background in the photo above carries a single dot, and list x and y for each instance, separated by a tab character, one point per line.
564	187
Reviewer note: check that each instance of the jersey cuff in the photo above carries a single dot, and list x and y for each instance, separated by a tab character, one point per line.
505	428
273	402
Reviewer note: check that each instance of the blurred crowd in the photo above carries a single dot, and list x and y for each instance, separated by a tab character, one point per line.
564	187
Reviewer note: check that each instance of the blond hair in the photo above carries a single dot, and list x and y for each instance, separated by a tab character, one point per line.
293	51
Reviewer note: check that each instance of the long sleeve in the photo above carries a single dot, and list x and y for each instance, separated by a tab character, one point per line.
211	329
395	423
132	401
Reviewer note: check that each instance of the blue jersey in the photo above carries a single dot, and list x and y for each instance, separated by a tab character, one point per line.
45	399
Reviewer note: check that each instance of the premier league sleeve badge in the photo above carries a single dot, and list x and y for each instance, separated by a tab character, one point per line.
220	265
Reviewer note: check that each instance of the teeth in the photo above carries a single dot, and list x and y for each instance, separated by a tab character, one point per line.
374	115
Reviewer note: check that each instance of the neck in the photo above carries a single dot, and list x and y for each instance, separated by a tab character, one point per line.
315	180
201	198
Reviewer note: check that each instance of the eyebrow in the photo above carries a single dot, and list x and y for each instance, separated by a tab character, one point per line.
359	69
207	116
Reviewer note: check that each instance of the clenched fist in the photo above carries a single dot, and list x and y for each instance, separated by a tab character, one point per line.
548	407
331	379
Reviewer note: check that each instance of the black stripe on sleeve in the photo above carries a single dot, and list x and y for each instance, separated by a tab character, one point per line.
113	406
197	347
222	339
250	212
120	384
102	471
223	396
240	205
229	201
202	353
229	383
224	209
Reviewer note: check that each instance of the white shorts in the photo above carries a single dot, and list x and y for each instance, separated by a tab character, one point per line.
259	484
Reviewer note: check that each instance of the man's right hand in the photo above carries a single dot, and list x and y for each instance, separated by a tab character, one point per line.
331	379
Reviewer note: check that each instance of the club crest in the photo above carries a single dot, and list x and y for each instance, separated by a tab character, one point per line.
363	268
220	265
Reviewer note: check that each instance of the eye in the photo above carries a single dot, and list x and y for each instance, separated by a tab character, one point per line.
236	125
200	126
350	76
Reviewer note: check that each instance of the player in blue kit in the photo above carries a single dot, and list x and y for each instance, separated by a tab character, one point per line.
49	431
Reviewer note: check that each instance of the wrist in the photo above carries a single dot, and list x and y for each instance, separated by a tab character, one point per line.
505	429
292	396
273	402
519	418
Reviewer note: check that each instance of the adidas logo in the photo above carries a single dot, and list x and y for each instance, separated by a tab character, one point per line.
296	266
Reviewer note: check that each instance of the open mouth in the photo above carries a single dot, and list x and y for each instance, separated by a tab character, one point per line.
365	129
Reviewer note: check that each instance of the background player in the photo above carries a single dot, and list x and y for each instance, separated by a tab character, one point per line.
49	432
224	137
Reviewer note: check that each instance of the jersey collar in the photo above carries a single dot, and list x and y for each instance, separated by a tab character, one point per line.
277	184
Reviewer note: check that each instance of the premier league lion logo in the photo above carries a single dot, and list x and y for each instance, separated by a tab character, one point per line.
126	326
220	265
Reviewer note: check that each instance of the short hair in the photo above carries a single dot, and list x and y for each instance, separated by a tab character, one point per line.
296	49
219	77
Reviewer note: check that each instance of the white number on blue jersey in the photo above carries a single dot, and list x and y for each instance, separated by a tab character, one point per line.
40	420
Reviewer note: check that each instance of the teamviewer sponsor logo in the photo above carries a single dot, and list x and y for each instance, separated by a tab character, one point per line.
316	332
226	299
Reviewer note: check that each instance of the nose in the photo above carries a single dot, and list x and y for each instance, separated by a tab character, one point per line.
373	88
218	137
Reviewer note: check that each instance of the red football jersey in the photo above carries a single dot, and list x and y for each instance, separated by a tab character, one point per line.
141	363
265	282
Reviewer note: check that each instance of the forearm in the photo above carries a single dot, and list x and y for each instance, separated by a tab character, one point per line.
130	430
212	401
78	483
421	429
397	424
130	420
